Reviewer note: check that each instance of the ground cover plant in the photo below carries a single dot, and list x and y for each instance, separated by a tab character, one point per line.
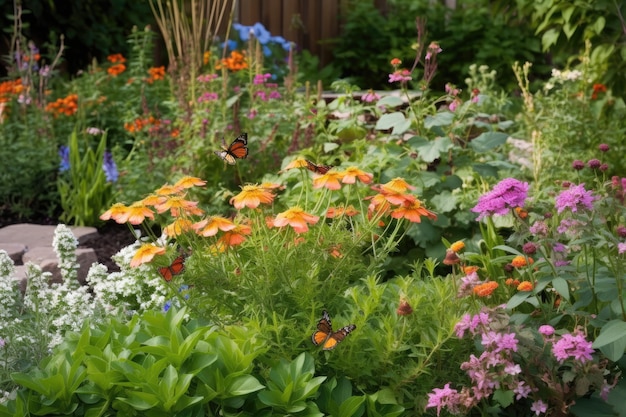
424	252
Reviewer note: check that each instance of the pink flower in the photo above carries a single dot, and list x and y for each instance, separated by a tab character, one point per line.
546	330
443	397
506	195
539	407
574	197
400	75
572	346
621	247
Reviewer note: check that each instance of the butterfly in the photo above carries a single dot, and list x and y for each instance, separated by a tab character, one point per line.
237	150
325	336
177	267
318	169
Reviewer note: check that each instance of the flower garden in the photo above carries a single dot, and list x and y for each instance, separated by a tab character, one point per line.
390	252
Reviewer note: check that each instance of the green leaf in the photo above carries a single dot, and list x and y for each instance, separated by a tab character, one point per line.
330	146
438	120
444	202
503	397
430	150
351	406
390	120
612	339
488	141
245	384
549	38
390	101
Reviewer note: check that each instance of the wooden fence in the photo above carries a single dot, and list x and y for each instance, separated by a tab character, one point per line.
311	24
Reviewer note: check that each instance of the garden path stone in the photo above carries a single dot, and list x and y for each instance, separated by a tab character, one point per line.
33	243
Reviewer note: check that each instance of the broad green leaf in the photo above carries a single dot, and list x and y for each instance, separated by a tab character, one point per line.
611	332
488	141
549	38
349	407
430	150
438	120
390	101
444	202
330	146
503	397
390	120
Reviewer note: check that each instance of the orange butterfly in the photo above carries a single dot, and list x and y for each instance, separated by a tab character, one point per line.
318	169
237	150
177	267
325	336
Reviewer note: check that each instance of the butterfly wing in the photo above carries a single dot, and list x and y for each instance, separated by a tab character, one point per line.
324	330
318	169
177	267
238	149
228	158
337	337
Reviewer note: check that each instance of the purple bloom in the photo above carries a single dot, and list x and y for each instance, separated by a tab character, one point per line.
64	153
539	228
539	407
621	247
572	346
603	147
370	96
109	167
522	390
574	197
578	165
594	163
507	194
546	330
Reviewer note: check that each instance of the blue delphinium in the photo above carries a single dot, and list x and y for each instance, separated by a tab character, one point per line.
109	167
64	153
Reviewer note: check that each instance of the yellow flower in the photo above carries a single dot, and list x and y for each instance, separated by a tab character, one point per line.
177	227
486	289
188	182
296	163
252	196
457	246
329	180
145	253
351	174
296	218
211	226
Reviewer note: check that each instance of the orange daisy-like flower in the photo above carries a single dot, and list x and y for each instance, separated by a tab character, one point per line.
470	269
145	253
330	180
485	289
379	205
252	196
115	212
115	58
413	212
521	213
211	226
153	200
135	214
296	218
520	261
351	174
525	286
235	236
156	73
116	70
178	227
188	182
167	189
397	185
396	61
333	212
296	163
178	205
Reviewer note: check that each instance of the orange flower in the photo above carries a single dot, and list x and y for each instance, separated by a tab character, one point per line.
235	236
188	182
396	61
329	180
296	163
116	70
296	218
176	205
379	205
333	212
470	269
457	246
145	253
521	213
520	261
235	62
211	226
153	200
252	196
397	185
413	212
525	286
335	251
167	190
178	227
156	73
511	282
135	214
116	211
115	58
351	174
205	57
67	105
485	289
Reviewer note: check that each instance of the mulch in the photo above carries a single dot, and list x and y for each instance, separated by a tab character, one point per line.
111	238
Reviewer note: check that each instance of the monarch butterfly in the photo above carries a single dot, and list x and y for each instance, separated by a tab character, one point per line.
318	169
325	336
237	150
177	267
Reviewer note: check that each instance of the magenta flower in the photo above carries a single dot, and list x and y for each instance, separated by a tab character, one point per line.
443	397
539	407
370	96
546	330
400	75
574	197
572	346
506	195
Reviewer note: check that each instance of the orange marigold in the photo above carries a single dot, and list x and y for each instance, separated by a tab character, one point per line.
520	261
457	246
485	289
116	69
525	286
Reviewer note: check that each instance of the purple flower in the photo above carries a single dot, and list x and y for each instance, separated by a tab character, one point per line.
539	228
64	153
572	346
370	96
507	194
603	147
109	167
521	390
621	247
594	163
546	330
578	165
539	407
574	197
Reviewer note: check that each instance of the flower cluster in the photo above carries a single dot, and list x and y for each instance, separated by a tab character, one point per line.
505	196
235	62
118	66
67	105
504	365
156	73
258	32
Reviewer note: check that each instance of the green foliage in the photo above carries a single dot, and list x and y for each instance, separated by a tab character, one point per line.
85	191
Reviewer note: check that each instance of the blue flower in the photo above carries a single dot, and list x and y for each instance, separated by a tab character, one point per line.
261	33
167	306
109	167
230	45
266	51
64	153
244	31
